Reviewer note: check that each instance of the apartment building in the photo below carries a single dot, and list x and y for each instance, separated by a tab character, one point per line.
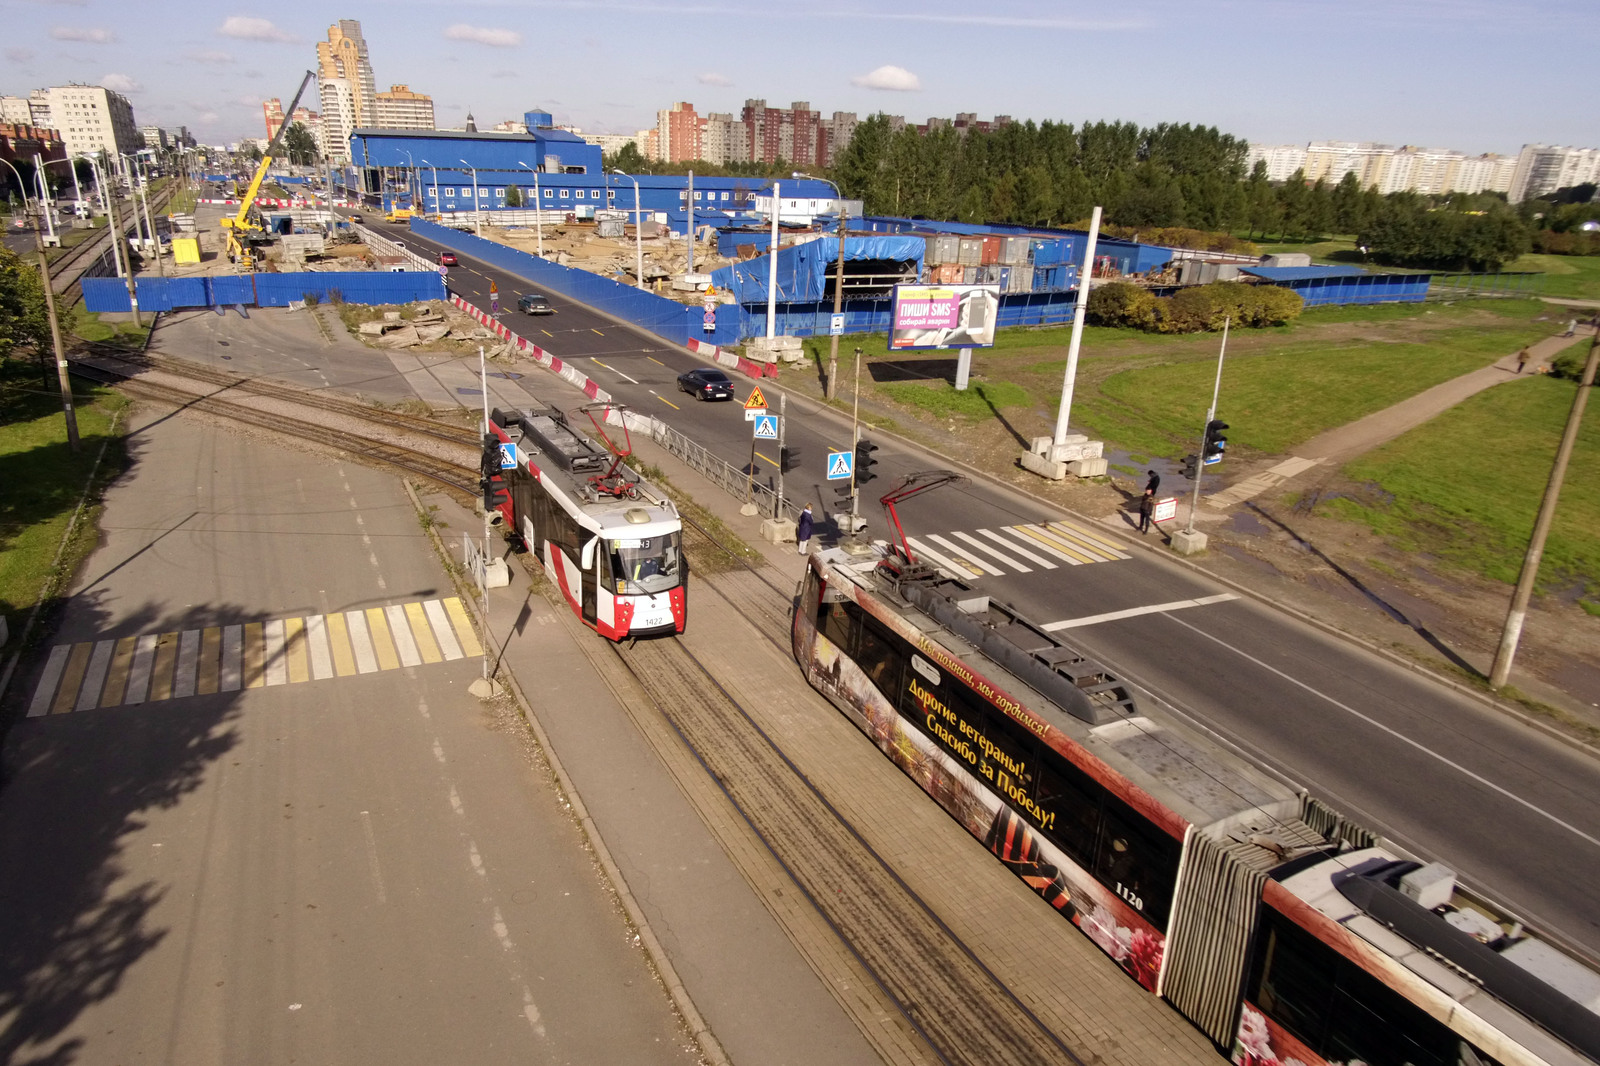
1543	168
155	138
344	56
402	109
1386	167
678	134
89	118
338	118
14	111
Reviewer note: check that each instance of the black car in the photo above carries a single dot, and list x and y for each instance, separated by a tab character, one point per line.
534	303
706	383
355	218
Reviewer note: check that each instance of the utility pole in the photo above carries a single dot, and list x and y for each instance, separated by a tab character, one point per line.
855	455
1200	463
838	307
55	337
150	228
116	243
688	204
1079	309
783	404
1541	528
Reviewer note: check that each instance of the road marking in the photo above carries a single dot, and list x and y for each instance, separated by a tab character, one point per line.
664	400
402	635
961	553
596	332
982	547
1044	543
613	369
954	569
95	677
654	360
761	456
372	856
1134	612
1012	545
1507	793
47	681
547	333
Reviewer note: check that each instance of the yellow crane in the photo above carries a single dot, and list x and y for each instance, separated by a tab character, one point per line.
241	226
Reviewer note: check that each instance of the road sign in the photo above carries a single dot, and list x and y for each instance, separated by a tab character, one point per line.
840	465
708	321
766	427
757	399
1166	510
753	413
444	271
508	456
835	325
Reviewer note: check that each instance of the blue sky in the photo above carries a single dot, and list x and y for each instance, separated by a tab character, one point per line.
1475	75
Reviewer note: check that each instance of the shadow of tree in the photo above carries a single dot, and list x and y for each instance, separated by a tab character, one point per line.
883	370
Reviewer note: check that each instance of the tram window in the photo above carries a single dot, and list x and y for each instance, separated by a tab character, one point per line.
1136	861
836	624
1074	799
879	657
1295	987
1383	1029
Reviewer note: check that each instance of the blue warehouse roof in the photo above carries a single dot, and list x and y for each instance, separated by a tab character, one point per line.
1303	273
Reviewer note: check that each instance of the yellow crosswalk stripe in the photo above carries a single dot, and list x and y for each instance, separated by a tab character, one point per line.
426	645
294	641
210	661
382	642
77	663
166	659
344	659
117	678
255	651
463	627
1087	537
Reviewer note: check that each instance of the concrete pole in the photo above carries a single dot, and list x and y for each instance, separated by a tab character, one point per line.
783	404
1200	463
772	269
150	230
483	386
55	338
1541	528
538	218
1064	413
688	202
838	306
638	234
44	195
116	246
855	440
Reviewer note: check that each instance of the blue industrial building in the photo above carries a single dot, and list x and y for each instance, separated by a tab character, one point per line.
1320	285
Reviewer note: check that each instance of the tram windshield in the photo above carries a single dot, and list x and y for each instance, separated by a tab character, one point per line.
645	565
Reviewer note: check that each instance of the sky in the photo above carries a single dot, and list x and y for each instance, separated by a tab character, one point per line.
1472	75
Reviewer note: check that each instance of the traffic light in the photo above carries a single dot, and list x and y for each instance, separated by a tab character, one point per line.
1191	466
788	459
846	493
495	493
865	462
1215	441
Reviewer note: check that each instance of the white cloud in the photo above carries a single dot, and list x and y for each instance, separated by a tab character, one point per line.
484	35
86	34
252	29
711	78
120	83
209	56
19	55
889	79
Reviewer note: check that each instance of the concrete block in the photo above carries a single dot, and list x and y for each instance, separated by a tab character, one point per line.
774	349
1087	467
1186	543
497	575
1038	464
778	531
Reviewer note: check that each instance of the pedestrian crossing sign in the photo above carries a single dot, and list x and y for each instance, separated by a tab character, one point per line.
766	427
756	400
508	456
840	465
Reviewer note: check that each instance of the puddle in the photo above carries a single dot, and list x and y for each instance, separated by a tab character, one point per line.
1247	523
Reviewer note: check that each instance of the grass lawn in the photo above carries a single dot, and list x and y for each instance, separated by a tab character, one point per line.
44	480
1569	277
1466	486
90	326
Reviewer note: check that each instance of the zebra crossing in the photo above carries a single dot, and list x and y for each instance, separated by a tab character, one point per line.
1019	549
152	667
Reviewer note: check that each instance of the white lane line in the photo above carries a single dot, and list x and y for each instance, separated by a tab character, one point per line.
961	553
232	658
94	678
954	569
361	642
277	667
183	683
1019	549
1134	612
49	679
1015	564
400	629
321	653
613	369
442	631
372	855
1393	732
144	657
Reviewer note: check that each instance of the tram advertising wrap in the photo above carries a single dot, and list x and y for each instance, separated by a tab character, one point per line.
944	316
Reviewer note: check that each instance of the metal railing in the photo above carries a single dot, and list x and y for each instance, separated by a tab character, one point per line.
731	479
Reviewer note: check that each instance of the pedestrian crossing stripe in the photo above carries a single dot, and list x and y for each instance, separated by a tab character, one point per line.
1018	549
154	667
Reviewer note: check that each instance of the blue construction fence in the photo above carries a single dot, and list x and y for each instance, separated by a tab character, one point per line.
876	316
667	319
263	290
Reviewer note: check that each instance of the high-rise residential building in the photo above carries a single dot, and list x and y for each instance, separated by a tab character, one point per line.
836	135
612	143
14	111
723	140
678	133
1541	169
338	118
272	111
155	138
1386	168
344	55
1282	159
401	109
90	118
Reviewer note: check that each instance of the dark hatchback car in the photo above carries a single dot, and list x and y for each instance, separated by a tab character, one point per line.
534	303
706	383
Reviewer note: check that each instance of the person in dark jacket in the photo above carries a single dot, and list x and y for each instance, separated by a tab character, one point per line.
1147	507
1153	484
802	530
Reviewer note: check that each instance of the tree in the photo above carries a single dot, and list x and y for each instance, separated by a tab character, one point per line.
299	145
628	159
513	196
24	315
1347	204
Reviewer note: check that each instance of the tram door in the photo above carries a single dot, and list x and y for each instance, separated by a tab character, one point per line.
591	580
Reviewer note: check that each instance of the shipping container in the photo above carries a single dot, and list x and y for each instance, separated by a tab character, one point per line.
969	275
949	274
1020	279
991	272
1014	251
944	248
991	250
1049	252
971	253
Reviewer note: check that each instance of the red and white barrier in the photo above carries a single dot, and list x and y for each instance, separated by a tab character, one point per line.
544	359
728	359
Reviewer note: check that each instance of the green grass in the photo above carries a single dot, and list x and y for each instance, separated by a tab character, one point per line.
1568	277
1466	486
941	400
44	480
91	327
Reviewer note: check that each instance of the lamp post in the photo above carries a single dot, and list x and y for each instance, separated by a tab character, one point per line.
99	184
44	196
538	206
477	225
22	186
435	184
838	289
50	309
411	179
772	268
638	228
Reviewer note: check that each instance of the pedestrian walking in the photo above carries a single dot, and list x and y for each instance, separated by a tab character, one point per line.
802	530
1147	507
1522	360
1153	484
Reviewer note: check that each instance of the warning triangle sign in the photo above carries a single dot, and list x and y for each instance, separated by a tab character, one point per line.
756	400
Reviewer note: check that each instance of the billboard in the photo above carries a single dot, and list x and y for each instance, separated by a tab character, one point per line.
944	316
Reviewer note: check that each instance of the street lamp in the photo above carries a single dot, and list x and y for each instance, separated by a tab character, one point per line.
477	225
99	184
21	186
638	228
538	206
772	268
435	185
411	179
838	287
141	194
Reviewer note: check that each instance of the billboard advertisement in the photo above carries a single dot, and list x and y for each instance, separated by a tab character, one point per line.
944	316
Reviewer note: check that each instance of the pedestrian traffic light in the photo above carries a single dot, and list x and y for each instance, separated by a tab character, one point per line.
865	462
496	493
1215	441
846	493
1191	466
788	459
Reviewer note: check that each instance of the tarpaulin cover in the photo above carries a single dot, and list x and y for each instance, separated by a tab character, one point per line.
803	269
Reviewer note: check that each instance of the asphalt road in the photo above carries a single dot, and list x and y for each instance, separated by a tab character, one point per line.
1511	810
358	868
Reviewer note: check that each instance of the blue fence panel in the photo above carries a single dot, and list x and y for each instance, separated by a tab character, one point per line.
186	292
231	289
356	287
105	294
